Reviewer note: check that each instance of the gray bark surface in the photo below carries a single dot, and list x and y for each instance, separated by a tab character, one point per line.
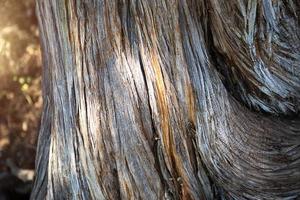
169	99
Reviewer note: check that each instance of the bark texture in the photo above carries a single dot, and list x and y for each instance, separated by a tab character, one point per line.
169	99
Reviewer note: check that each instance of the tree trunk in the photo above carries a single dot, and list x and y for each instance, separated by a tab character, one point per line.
169	99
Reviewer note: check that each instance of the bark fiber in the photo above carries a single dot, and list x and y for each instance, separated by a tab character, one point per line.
169	99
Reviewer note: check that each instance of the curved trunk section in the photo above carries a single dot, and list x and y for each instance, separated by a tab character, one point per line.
135	106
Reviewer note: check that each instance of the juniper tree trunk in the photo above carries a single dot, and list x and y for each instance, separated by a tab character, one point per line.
169	99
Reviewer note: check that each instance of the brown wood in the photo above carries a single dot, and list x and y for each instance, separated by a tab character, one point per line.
169	99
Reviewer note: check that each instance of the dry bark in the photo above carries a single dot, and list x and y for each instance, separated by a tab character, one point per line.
169	99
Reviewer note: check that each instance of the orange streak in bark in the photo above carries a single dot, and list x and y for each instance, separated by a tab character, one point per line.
168	141
161	100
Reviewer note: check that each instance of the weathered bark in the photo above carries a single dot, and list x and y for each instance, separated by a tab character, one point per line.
134	107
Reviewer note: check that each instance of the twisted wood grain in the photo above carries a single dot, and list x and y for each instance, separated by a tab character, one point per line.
155	99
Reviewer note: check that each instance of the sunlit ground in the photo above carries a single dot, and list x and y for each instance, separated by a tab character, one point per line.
20	95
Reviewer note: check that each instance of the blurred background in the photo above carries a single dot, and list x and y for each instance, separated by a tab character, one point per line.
20	96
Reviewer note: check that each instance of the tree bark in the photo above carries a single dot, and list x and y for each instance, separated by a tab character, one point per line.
169	99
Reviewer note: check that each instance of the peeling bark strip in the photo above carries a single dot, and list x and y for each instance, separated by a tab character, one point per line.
134	107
